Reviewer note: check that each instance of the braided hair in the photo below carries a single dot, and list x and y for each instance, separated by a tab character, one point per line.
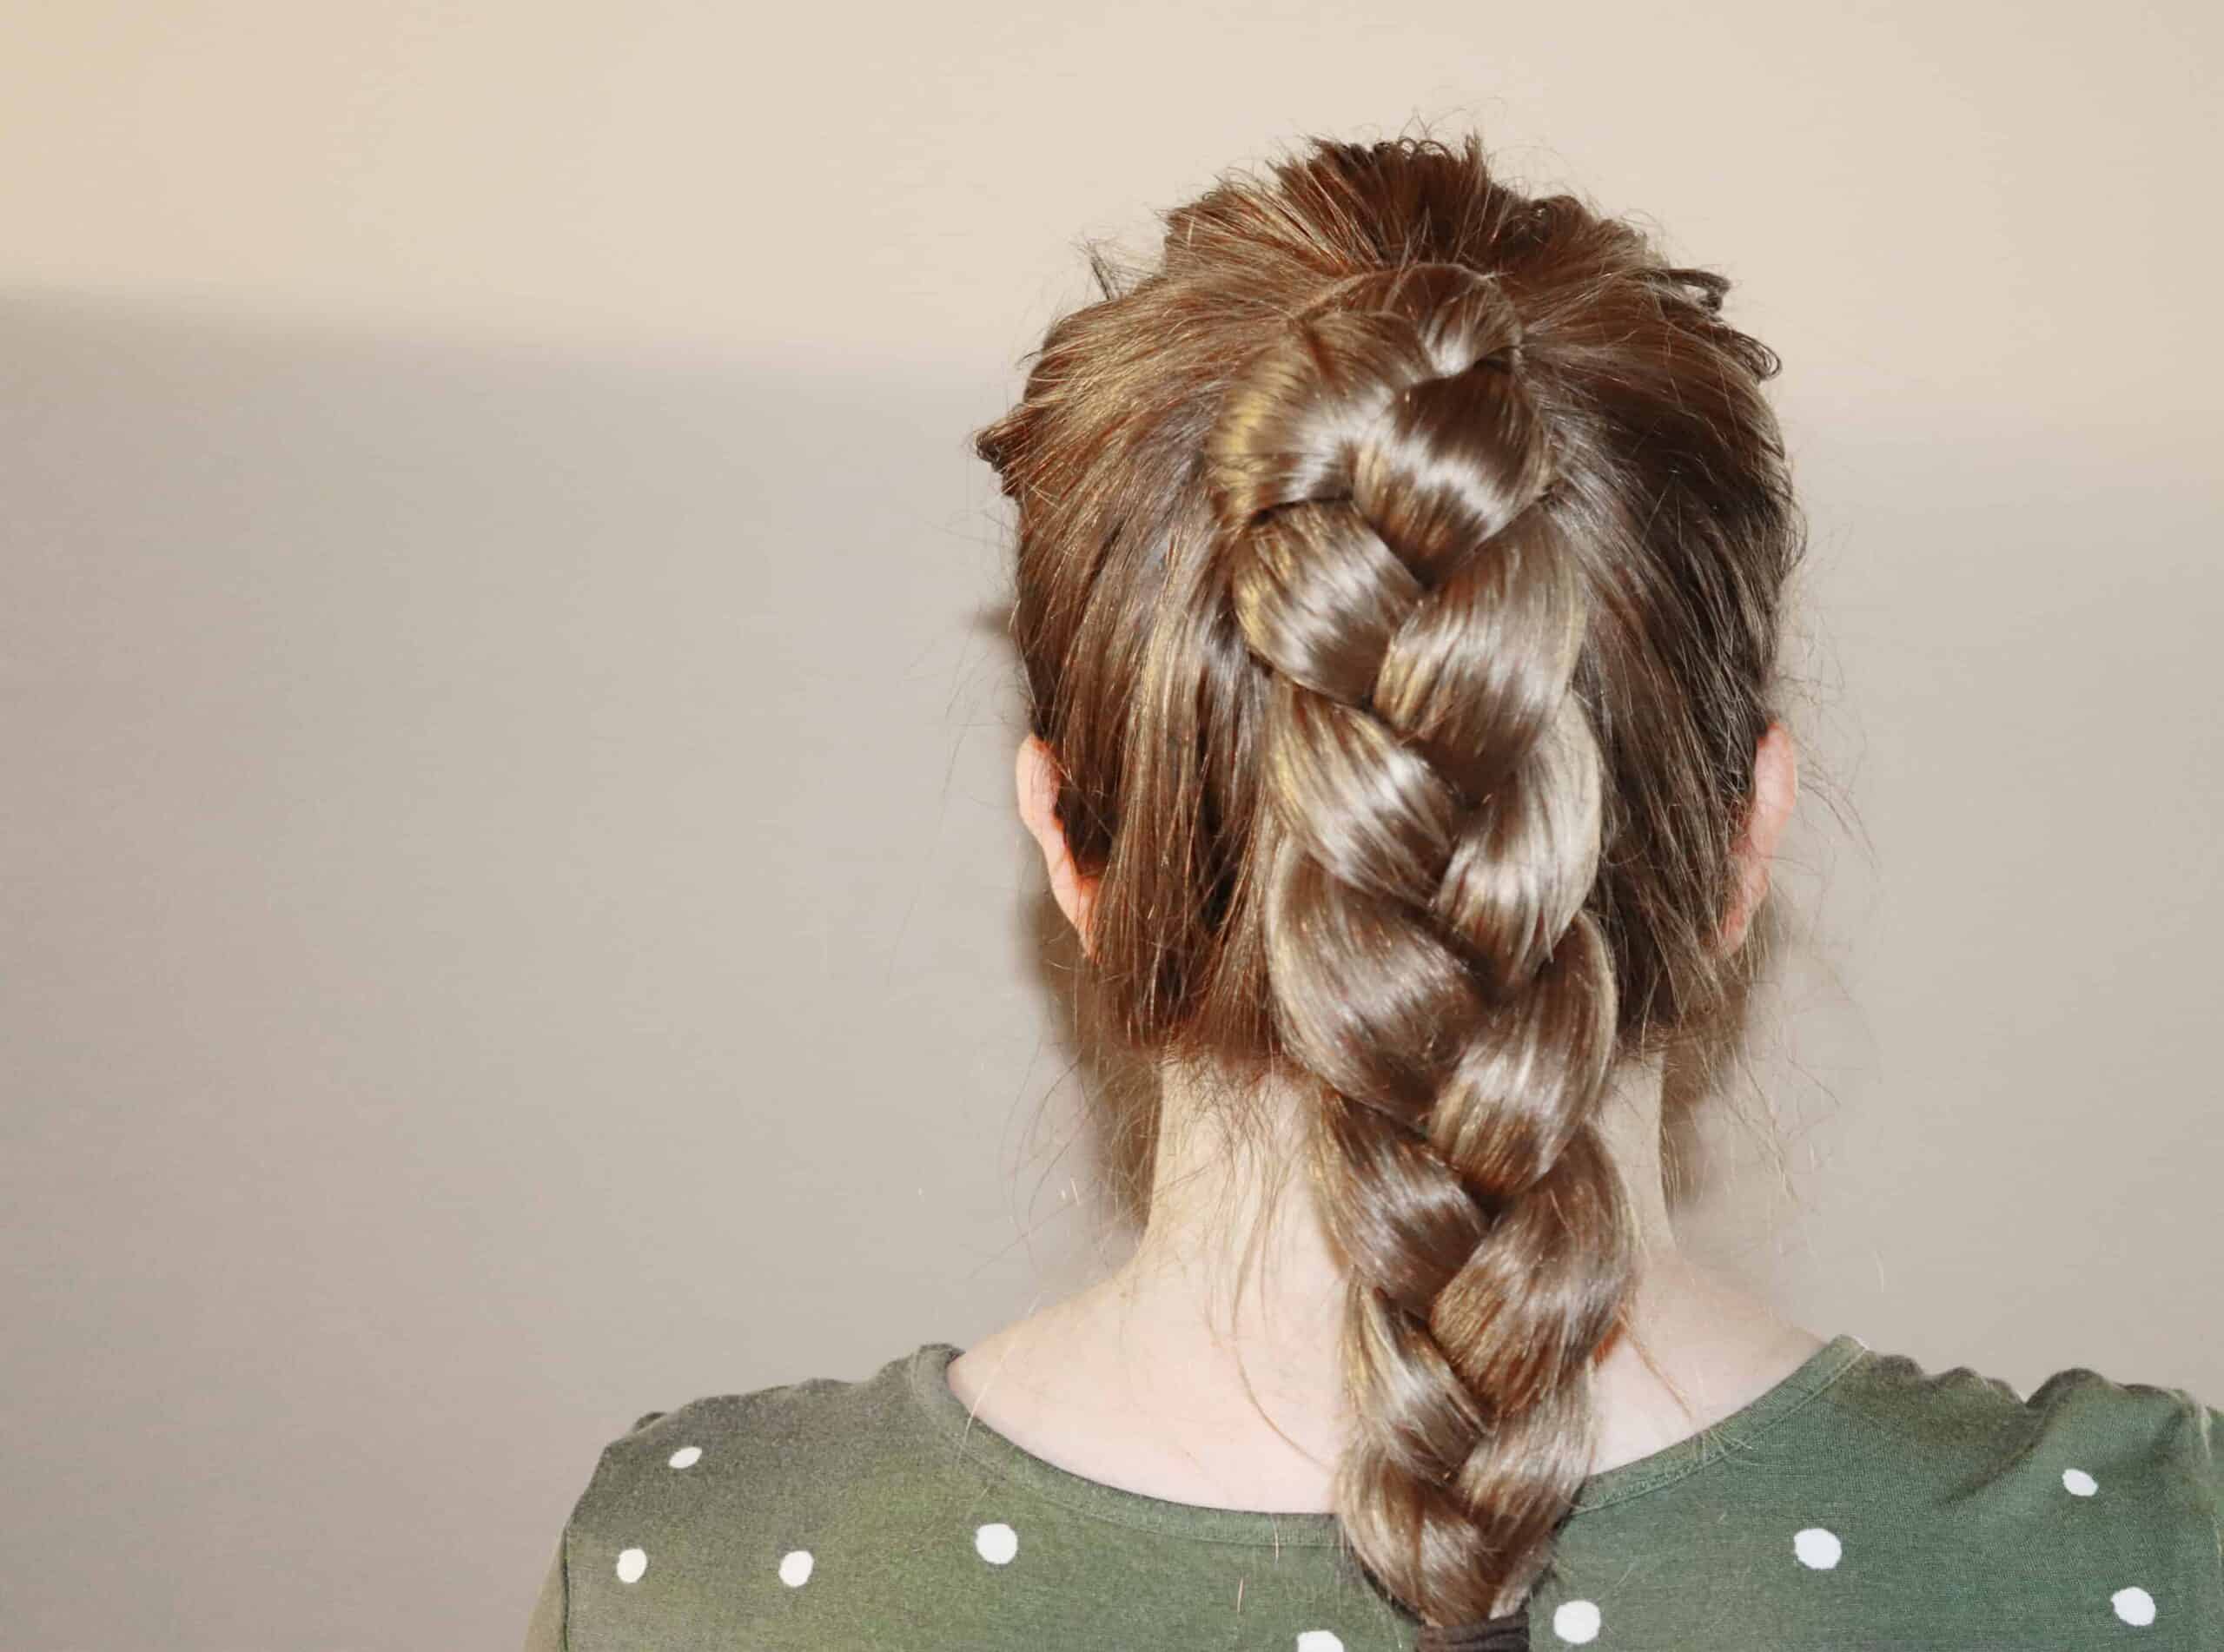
1399	568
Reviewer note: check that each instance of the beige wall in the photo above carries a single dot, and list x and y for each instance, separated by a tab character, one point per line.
513	919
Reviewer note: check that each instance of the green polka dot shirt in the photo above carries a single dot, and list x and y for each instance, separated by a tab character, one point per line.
1861	1503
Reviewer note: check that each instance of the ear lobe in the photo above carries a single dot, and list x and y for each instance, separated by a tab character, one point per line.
1775	789
1038	778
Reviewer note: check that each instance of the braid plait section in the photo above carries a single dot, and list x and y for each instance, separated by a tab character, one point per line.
1383	484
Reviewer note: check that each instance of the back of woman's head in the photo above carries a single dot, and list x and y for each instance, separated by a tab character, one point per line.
1398	566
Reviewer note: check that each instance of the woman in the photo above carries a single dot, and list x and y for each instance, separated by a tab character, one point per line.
1400	571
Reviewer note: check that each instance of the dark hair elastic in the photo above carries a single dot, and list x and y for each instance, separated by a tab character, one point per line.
1509	1634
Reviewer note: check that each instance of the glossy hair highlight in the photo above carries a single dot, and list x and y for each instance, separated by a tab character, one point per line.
1399	567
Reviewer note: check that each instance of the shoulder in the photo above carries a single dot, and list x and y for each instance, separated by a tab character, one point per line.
771	1424
1932	1508
781	1441
1963	1421
2132	1468
722	1487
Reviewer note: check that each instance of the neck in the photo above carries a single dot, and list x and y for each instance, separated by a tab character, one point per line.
1204	1369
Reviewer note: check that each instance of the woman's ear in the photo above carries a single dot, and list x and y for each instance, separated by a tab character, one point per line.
1776	788
1038	781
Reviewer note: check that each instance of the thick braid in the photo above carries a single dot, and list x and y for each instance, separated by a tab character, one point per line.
1395	566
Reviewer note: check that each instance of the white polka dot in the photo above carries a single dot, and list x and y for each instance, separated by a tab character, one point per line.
1320	1641
997	1542
631	1563
686	1456
2135	1606
1817	1548
2079	1483
795	1567
1576	1621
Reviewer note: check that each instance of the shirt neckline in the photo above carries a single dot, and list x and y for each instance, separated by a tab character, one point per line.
978	1442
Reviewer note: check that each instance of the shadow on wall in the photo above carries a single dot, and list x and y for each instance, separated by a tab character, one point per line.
515	911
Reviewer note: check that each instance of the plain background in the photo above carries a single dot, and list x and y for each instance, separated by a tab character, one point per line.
513	914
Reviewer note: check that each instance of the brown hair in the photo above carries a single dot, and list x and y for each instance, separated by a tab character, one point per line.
1399	568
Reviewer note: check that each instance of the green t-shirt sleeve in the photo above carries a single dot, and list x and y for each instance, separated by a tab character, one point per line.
549	1627
544	1630
2214	1417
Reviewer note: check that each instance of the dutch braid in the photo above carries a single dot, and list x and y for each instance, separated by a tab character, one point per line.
1383	484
